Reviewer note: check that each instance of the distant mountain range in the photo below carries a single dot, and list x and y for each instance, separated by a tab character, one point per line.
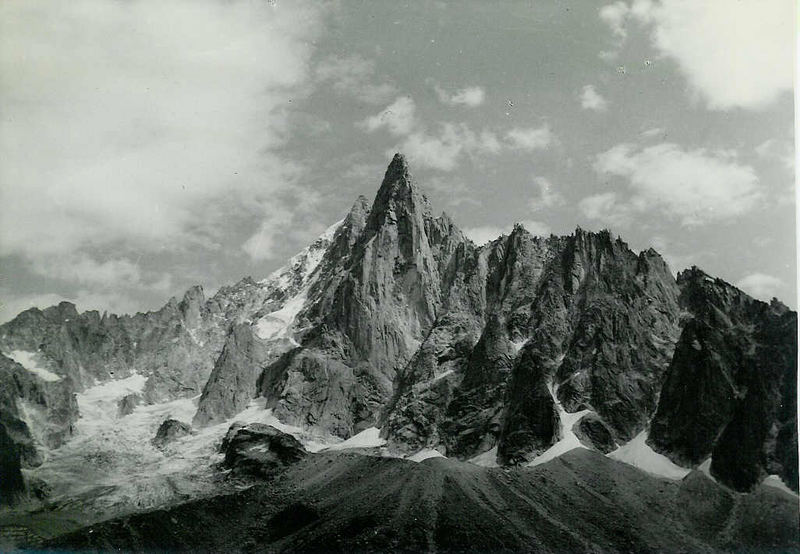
394	324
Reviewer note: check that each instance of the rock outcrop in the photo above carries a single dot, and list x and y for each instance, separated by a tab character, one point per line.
35	412
128	403
169	431
259	450
232	384
730	392
12	485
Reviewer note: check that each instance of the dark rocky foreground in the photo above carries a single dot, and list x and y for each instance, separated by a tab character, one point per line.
344	502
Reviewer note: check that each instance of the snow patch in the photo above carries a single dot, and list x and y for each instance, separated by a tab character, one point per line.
518	344
368	438
487	459
569	441
638	454
28	361
705	469
304	262
424	454
776	482
299	272
278	324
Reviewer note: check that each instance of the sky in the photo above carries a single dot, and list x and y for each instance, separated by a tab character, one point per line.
147	146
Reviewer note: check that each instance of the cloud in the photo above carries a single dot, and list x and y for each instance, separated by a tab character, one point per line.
694	186
547	196
265	241
442	146
591	100
761	286
353	75
606	207
530	139
443	150
482	235
398	118
469	96
109	274
142	127
775	150
745	62
615	16
654	132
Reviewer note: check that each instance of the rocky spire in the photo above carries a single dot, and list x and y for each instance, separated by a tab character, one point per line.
397	197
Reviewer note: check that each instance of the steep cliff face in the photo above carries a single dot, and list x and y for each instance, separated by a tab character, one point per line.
581	316
232	383
731	387
37	408
369	314
12	485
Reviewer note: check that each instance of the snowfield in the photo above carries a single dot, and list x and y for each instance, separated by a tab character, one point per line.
28	361
110	465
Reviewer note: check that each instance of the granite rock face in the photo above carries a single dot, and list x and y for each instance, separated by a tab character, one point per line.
579	320
730	392
12	485
233	381
593	433
35	412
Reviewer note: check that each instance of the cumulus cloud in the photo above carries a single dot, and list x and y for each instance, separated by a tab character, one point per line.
530	139
693	186
399	118
108	274
443	150
353	75
442	146
775	150
469	96
482	235
607	208
135	127
592	100
745	62
547	196
761	285
615	16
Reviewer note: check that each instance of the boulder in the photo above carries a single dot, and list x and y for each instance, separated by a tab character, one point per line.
594	433
169	431
128	403
259	450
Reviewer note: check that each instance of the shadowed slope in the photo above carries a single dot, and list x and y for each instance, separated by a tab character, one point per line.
348	502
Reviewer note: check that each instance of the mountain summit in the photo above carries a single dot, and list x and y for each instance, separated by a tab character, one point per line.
394	325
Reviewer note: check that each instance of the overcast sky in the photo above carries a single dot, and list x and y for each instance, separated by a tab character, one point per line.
146	146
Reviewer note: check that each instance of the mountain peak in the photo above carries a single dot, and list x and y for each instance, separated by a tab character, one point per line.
398	194
398	166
